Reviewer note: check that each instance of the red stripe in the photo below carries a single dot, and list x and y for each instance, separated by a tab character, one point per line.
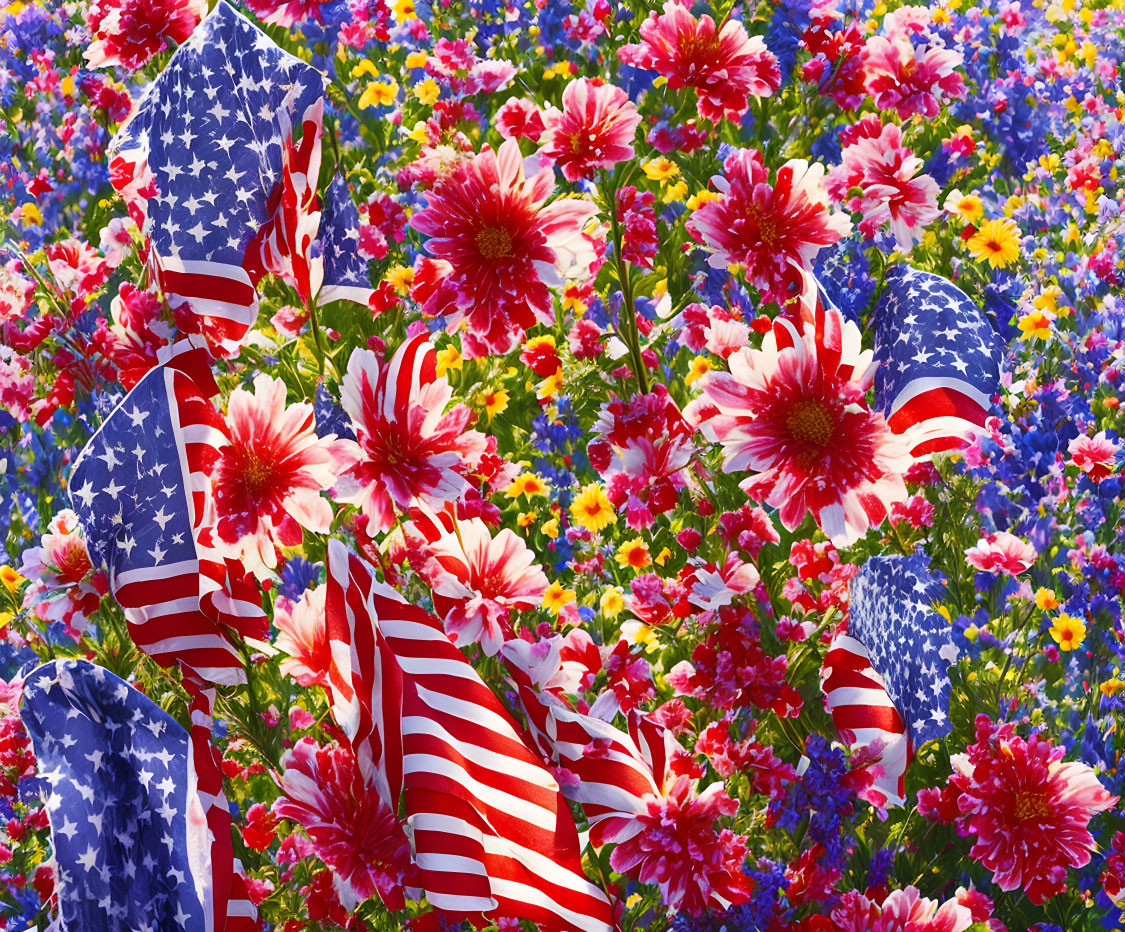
937	402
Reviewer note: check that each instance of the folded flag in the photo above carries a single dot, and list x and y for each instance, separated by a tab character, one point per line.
345	270
141	490
939	361
888	678
207	159
129	809
491	831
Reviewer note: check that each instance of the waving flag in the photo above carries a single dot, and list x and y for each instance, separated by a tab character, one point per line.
491	831
345	270
887	679
939	361
203	156
129	809
141	491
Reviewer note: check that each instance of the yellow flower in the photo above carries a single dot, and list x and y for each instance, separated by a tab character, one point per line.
660	169
1068	631
633	553
526	483
1035	324
494	402
378	94
30	215
426	91
550	386
526	518
997	242
661	557
556	597
401	277
1048	299
675	192
699	366
592	508
417	60
1045	599
967	206
404	9
11	579
365	67
448	358
551	528
612	602
700	198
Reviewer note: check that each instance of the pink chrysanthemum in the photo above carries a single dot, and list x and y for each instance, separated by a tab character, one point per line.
1029	810
267	481
410	449
1096	456
1001	553
63	584
770	229
900	911
499	247
130	32
303	636
794	413
724	64
477	579
907	71
594	129
889	190
674	845
352	829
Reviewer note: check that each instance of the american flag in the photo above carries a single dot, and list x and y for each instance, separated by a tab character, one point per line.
491	831
127	809
939	361
345	270
141	490
200	158
888	677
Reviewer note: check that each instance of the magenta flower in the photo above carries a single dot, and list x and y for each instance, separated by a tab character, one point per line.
1001	553
594	129
907	71
1096	456
130	32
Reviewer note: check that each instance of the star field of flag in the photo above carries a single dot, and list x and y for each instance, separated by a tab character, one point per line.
908	642
345	270
210	128
930	337
126	488
113	772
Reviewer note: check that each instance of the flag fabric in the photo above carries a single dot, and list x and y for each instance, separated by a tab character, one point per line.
890	611
491	831
887	678
201	157
128	809
345	270
141	491
939	361
863	713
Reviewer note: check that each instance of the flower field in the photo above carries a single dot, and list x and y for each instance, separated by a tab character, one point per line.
562	465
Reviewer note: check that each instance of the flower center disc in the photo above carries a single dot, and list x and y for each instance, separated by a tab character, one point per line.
811	422
1031	806
494	242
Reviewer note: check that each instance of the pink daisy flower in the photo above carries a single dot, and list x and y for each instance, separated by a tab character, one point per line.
1096	456
477	579
907	71
770	229
724	64
130	32
884	174
1029	809
352	829
1001	553
500	249
410	449
901	910
795	415
594	129
267	481
63	585
303	636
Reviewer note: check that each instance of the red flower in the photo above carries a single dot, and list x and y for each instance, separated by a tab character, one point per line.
410	449
795	415
130	32
907	70
1029	810
499	249
352	829
770	229
724	65
594	129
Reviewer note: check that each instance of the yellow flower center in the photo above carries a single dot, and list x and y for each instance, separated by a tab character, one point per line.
494	242
811	422
1031	806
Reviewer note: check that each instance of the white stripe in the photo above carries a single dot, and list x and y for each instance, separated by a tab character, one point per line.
356	293
491	796
146	574
181	645
523	893
856	695
468	711
503	764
